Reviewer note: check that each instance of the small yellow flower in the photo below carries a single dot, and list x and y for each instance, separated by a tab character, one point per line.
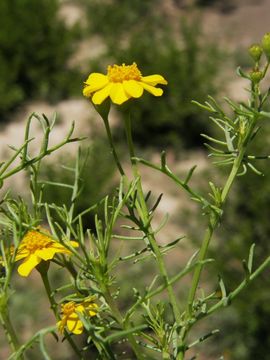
35	247
70	317
121	83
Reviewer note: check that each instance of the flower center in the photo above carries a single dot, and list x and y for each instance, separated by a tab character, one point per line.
119	73
34	240
68	308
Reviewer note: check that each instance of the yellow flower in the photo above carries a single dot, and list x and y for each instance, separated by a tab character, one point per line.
35	247
121	83
70	317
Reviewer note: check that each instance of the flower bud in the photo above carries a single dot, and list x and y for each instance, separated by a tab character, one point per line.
266	45
242	126
255	51
256	76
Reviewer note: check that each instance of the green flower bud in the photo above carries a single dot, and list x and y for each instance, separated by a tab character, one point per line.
266	45
256	76
255	51
242	126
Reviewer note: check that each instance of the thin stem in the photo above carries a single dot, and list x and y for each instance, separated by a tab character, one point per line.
209	232
75	190
46	283
240	287
118	317
10	332
150	233
109	134
214	220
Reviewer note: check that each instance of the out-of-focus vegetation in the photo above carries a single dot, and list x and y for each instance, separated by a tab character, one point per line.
35	49
95	181
224	6
140	32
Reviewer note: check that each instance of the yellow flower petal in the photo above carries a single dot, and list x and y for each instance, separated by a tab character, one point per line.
73	243
61	326
92	309
101	95
62	248
133	88
154	80
22	253
75	325
88	90
46	254
118	94
28	265
96	79
153	90
59	246
92	313
70	243
80	308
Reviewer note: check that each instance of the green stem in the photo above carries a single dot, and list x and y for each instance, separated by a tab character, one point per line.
239	288
10	332
109	299
109	134
46	283
214	220
28	162
118	317
150	233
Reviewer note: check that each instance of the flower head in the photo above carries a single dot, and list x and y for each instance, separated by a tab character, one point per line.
70	315
121	83
37	246
255	51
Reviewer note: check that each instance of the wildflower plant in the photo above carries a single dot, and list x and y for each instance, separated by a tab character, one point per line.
157	323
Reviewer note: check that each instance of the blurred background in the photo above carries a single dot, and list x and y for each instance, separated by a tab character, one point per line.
47	50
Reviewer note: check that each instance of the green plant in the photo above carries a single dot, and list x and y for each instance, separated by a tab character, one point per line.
245	222
154	324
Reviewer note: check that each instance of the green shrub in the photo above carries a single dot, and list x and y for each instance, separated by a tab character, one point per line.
224	6
119	18
35	48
